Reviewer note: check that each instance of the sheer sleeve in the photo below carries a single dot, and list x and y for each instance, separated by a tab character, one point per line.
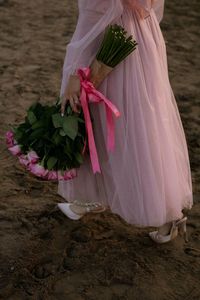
93	18
158	7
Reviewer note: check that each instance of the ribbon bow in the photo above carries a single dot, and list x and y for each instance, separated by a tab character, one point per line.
90	94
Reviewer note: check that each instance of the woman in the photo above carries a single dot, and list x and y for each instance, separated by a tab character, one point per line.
147	179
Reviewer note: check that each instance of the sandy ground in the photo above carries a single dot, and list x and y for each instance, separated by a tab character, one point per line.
43	254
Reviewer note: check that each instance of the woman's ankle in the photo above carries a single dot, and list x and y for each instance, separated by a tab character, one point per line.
165	228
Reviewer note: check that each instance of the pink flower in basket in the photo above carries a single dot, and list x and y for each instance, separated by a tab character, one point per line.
37	170
32	157
15	150
67	174
10	138
52	175
70	174
23	160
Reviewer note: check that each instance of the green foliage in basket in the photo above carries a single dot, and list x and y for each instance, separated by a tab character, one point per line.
57	140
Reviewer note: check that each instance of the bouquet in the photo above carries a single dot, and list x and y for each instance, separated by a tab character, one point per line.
53	147
48	145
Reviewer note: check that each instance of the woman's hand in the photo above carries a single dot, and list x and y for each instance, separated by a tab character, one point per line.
72	94
99	71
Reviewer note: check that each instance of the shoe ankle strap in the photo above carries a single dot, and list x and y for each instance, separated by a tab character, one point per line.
181	220
88	204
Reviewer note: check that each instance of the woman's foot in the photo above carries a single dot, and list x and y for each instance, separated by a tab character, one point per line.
66	209
77	208
169	231
76	211
165	229
81	208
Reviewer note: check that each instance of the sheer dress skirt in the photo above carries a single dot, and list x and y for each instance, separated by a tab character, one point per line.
147	178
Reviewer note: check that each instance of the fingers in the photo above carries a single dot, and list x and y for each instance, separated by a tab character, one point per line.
71	101
77	103
74	103
72	94
63	104
76	99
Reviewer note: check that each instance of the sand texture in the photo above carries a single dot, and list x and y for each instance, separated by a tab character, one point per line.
43	254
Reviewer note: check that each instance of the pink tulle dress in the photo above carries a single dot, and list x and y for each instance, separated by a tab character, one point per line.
147	178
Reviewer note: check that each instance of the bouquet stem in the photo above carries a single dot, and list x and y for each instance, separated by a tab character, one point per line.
99	71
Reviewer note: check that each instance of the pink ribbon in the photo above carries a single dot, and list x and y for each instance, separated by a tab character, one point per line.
90	94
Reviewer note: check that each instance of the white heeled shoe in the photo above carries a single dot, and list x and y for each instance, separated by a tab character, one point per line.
65	208
178	226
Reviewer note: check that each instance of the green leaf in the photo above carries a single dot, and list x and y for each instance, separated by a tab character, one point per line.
37	124
62	133
79	157
68	148
31	117
57	139
33	142
69	110
51	162
69	155
81	120
70	126
36	134
57	120
78	144
18	135
35	106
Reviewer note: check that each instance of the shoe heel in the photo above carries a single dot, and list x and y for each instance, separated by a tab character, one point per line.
174	232
183	230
